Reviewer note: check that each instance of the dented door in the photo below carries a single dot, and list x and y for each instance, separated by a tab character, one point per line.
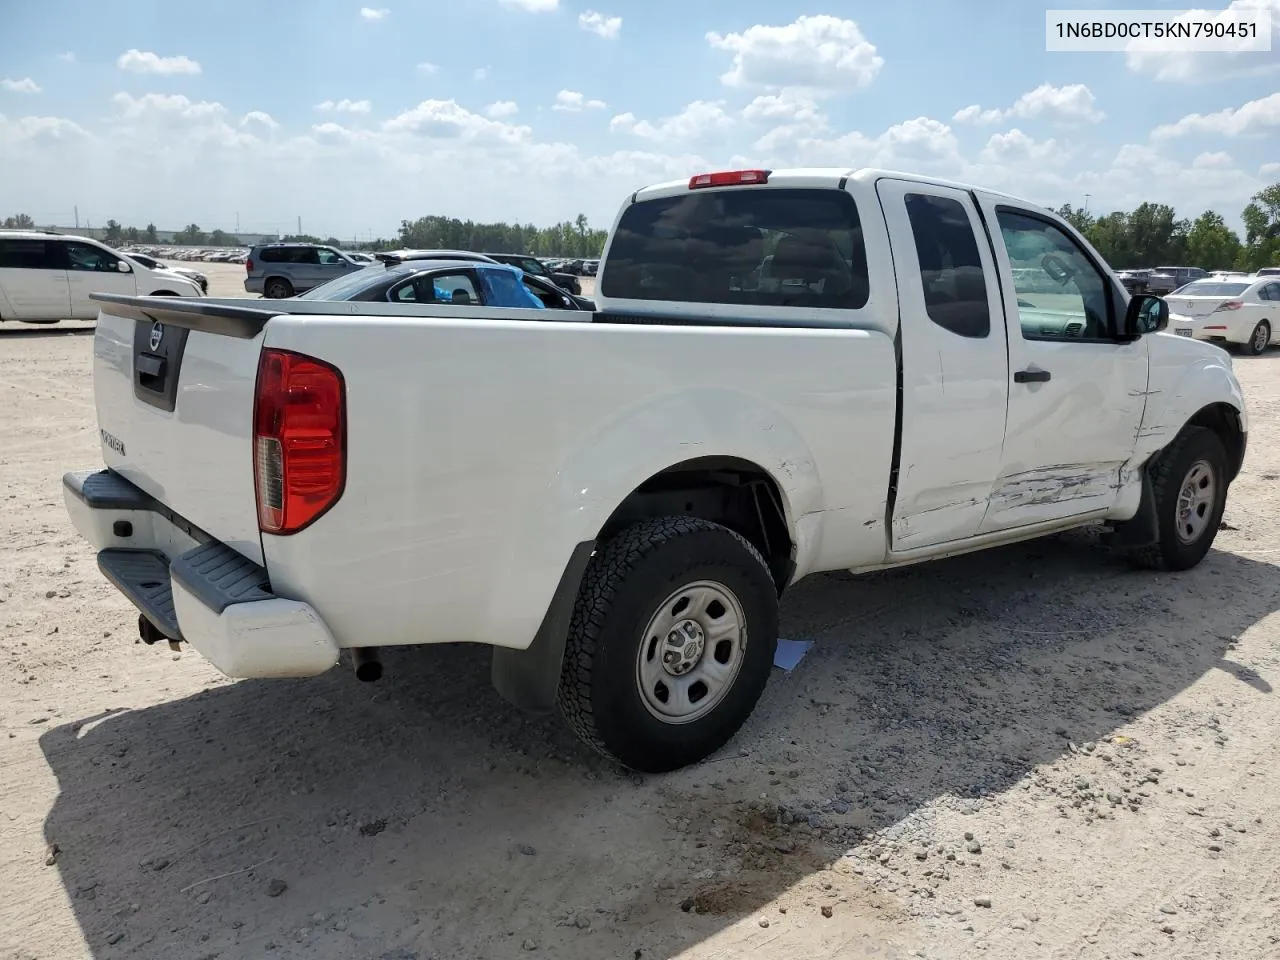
1076	394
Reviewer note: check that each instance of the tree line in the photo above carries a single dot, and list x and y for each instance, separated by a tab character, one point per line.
1152	235
572	238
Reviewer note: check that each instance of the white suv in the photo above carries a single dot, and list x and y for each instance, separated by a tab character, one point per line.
47	277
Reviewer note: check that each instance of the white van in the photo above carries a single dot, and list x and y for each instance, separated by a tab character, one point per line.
47	277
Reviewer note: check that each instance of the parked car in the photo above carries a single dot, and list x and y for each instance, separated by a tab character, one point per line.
455	282
1182	275
1243	313
531	264
278	270
615	501
47	277
151	263
1268	272
1135	281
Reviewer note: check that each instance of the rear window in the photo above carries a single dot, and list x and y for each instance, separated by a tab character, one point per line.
1211	288
753	247
287	255
22	254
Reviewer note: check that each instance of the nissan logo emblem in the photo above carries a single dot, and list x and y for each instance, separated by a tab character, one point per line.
157	334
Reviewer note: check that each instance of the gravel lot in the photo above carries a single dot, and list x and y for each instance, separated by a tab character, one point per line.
1034	752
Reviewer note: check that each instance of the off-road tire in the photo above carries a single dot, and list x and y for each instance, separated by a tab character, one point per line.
625	582
1168	473
277	288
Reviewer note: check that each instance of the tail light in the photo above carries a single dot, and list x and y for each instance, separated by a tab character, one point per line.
728	178
1229	305
248	266
299	440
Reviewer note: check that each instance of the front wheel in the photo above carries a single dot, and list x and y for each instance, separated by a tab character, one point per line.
1259	340
671	643
1189	483
277	289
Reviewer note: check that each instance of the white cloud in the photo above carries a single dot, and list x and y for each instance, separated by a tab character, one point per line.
446	120
260	118
25	85
138	61
501	108
428	68
570	101
1254	118
1143	56
818	53
33	133
68	57
374	13
532	6
1269	170
1072	103
481	73
599	24
344	106
1016	147
1218	159
699	120
787	105
173	105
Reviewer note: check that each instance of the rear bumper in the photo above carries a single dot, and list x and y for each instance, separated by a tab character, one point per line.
193	588
253	284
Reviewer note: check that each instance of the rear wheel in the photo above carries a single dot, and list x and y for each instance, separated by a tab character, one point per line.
1189	483
670	644
1260	339
277	288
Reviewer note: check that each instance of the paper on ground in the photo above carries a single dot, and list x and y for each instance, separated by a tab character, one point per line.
790	652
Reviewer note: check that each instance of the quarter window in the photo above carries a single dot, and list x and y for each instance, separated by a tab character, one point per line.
756	246
1061	294
955	287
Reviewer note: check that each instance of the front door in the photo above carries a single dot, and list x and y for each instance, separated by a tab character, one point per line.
1076	394
955	382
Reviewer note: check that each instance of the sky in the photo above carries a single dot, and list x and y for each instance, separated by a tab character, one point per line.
352	117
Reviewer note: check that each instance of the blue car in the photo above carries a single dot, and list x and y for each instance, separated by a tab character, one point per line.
453	282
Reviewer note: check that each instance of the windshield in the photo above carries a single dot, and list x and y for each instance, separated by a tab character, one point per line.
348	285
1209	288
530	265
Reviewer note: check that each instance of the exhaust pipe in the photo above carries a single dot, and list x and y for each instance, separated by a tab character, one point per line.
368	666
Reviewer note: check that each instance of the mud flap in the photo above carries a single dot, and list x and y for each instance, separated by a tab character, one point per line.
529	678
1143	529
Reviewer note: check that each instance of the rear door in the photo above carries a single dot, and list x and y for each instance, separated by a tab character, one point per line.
955	383
33	277
92	269
1077	394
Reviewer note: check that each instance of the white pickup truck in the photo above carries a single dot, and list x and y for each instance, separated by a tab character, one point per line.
789	372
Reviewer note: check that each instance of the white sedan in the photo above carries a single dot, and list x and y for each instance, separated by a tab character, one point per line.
1244	311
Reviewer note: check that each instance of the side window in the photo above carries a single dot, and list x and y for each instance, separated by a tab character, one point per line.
328	256
550	298
1061	294
777	247
504	288
1272	291
955	289
16	254
272	255
81	256
305	255
451	288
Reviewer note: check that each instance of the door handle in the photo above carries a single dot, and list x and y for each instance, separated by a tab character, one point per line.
1031	376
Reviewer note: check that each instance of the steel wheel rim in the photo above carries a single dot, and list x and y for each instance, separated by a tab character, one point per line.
691	652
1196	501
1260	337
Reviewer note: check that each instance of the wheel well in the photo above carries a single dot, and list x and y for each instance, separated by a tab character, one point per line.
164	293
727	490
1223	420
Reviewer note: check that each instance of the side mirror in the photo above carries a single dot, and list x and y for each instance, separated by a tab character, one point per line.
1145	314
123	266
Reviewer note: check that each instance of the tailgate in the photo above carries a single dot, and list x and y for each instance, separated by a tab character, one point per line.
173	383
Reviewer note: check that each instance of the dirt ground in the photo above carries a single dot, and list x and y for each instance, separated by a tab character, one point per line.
1030	753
